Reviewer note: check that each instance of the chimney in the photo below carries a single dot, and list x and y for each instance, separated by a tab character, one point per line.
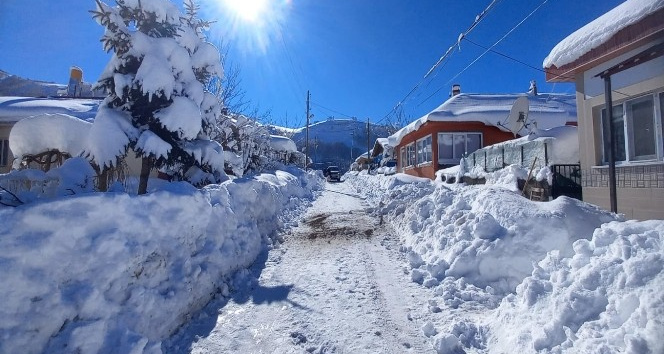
456	89
533	88
75	80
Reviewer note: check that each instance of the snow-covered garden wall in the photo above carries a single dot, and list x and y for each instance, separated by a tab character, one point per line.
118	273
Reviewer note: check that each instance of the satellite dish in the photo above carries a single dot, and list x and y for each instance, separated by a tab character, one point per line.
518	117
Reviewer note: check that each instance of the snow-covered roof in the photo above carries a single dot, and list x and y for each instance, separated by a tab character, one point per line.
600	31
383	141
13	109
282	143
548	110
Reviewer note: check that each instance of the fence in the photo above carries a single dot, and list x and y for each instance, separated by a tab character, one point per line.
496	157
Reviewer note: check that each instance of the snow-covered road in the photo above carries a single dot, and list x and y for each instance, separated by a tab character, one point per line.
335	285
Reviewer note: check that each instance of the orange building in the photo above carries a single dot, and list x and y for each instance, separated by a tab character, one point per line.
467	122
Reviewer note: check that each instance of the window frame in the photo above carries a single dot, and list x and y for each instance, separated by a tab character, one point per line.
628	130
424	154
453	160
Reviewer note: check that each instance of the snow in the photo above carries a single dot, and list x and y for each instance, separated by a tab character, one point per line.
600	31
109	136
46	132
282	143
513	275
75	176
183	116
110	272
606	297
151	144
377	264
13	109
547	110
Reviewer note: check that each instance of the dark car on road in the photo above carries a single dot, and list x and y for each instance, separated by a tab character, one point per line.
332	173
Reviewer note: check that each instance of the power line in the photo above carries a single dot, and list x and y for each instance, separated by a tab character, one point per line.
498	41
331	110
477	21
528	65
485	51
444	57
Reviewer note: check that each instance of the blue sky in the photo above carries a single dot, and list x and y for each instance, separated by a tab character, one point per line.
357	57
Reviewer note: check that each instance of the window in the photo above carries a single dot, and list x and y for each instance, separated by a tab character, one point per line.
424	150
635	127
618	134
453	146
402	158
4	152
410	152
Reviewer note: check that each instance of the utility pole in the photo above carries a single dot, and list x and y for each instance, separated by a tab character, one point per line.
368	148
352	145
306	146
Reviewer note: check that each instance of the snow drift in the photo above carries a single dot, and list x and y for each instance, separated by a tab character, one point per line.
605	298
521	276
119	273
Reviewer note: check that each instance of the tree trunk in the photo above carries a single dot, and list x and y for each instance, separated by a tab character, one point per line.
102	180
146	166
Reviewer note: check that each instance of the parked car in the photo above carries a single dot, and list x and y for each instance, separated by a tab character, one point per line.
332	173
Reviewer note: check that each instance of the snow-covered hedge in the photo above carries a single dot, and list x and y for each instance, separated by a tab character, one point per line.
119	273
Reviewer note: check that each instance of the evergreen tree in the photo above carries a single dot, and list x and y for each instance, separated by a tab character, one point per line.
157	104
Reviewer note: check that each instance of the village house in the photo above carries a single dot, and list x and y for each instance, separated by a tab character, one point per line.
467	122
617	62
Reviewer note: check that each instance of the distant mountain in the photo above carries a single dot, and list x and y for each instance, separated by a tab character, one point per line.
335	141
12	85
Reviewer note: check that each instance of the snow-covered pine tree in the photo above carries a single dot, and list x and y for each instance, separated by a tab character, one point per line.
157	104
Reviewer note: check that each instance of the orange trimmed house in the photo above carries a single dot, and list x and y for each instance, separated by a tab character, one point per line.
617	64
467	122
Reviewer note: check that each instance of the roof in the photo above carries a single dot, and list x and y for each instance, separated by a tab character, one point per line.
610	34
547	109
13	109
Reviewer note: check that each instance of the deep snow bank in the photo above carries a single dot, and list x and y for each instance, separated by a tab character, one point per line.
488	236
606	298
118	273
513	275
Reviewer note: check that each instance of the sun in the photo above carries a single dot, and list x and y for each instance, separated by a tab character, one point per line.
248	10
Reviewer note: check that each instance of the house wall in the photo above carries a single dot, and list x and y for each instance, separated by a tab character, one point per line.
640	185
490	135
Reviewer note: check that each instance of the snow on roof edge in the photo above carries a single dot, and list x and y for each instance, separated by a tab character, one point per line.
599	31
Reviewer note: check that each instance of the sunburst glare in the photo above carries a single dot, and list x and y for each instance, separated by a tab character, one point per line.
253	25
248	10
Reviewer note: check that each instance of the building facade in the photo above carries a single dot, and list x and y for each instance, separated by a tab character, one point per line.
631	60
467	122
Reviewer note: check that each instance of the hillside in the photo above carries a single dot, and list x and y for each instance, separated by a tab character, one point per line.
13	85
335	141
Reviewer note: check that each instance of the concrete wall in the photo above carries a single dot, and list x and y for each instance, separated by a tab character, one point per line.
640	185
